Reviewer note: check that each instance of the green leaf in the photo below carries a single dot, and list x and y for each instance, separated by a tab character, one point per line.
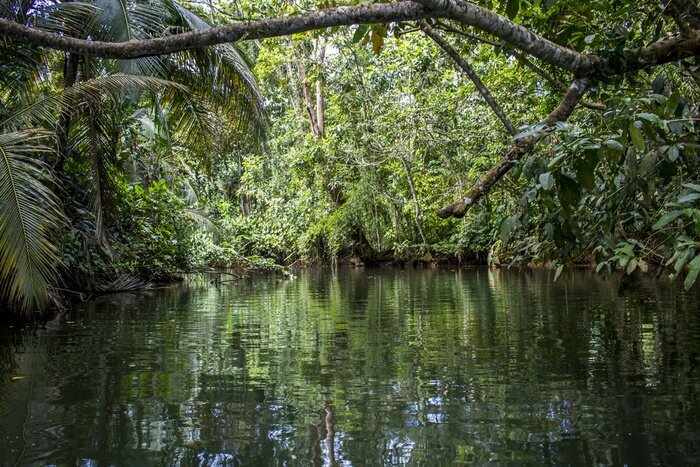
673	153
512	8
569	191
693	271
643	266
653	118
552	163
547	181
688	198
666	219
692	186
585	170
637	137
682	259
360	33
614	144
672	104
631	266
676	127
507	228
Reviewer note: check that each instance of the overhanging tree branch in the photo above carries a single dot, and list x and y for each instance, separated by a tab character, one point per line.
469	71
472	15
247	30
519	36
523	58
522	147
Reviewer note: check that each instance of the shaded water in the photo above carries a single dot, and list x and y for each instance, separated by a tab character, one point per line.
360	367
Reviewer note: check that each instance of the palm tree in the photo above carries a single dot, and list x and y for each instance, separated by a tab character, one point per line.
29	213
187	95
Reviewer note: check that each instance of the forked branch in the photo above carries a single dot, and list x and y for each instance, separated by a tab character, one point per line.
522	147
469	71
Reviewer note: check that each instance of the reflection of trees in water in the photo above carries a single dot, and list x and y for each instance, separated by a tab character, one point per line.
362	365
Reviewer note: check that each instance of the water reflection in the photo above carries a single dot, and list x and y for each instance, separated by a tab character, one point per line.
360	367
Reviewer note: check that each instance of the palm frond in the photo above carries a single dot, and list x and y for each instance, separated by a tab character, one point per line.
29	215
222	75
68	18
203	221
192	120
94	136
44	108
23	70
121	21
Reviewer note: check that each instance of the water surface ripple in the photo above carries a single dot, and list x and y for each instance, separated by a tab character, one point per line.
361	367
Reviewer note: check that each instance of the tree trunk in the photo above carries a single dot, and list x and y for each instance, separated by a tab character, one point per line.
70	76
416	208
306	91
320	109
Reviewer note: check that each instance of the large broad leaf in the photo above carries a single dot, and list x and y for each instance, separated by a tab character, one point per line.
569	191
667	219
547	181
29	216
512	8
693	271
508	227
637	137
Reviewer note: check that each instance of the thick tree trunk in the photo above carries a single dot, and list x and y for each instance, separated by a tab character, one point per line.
70	75
306	91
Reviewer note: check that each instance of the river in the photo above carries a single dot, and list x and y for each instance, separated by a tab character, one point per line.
361	367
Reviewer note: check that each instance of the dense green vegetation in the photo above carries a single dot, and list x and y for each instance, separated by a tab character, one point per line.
337	144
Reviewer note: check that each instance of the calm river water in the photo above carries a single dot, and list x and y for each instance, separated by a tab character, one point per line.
361	367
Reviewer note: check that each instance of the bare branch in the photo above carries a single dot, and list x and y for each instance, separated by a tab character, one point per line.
469	71
522	147
518	36
685	14
523	58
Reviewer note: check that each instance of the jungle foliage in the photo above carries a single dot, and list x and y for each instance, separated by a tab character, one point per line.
336	144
